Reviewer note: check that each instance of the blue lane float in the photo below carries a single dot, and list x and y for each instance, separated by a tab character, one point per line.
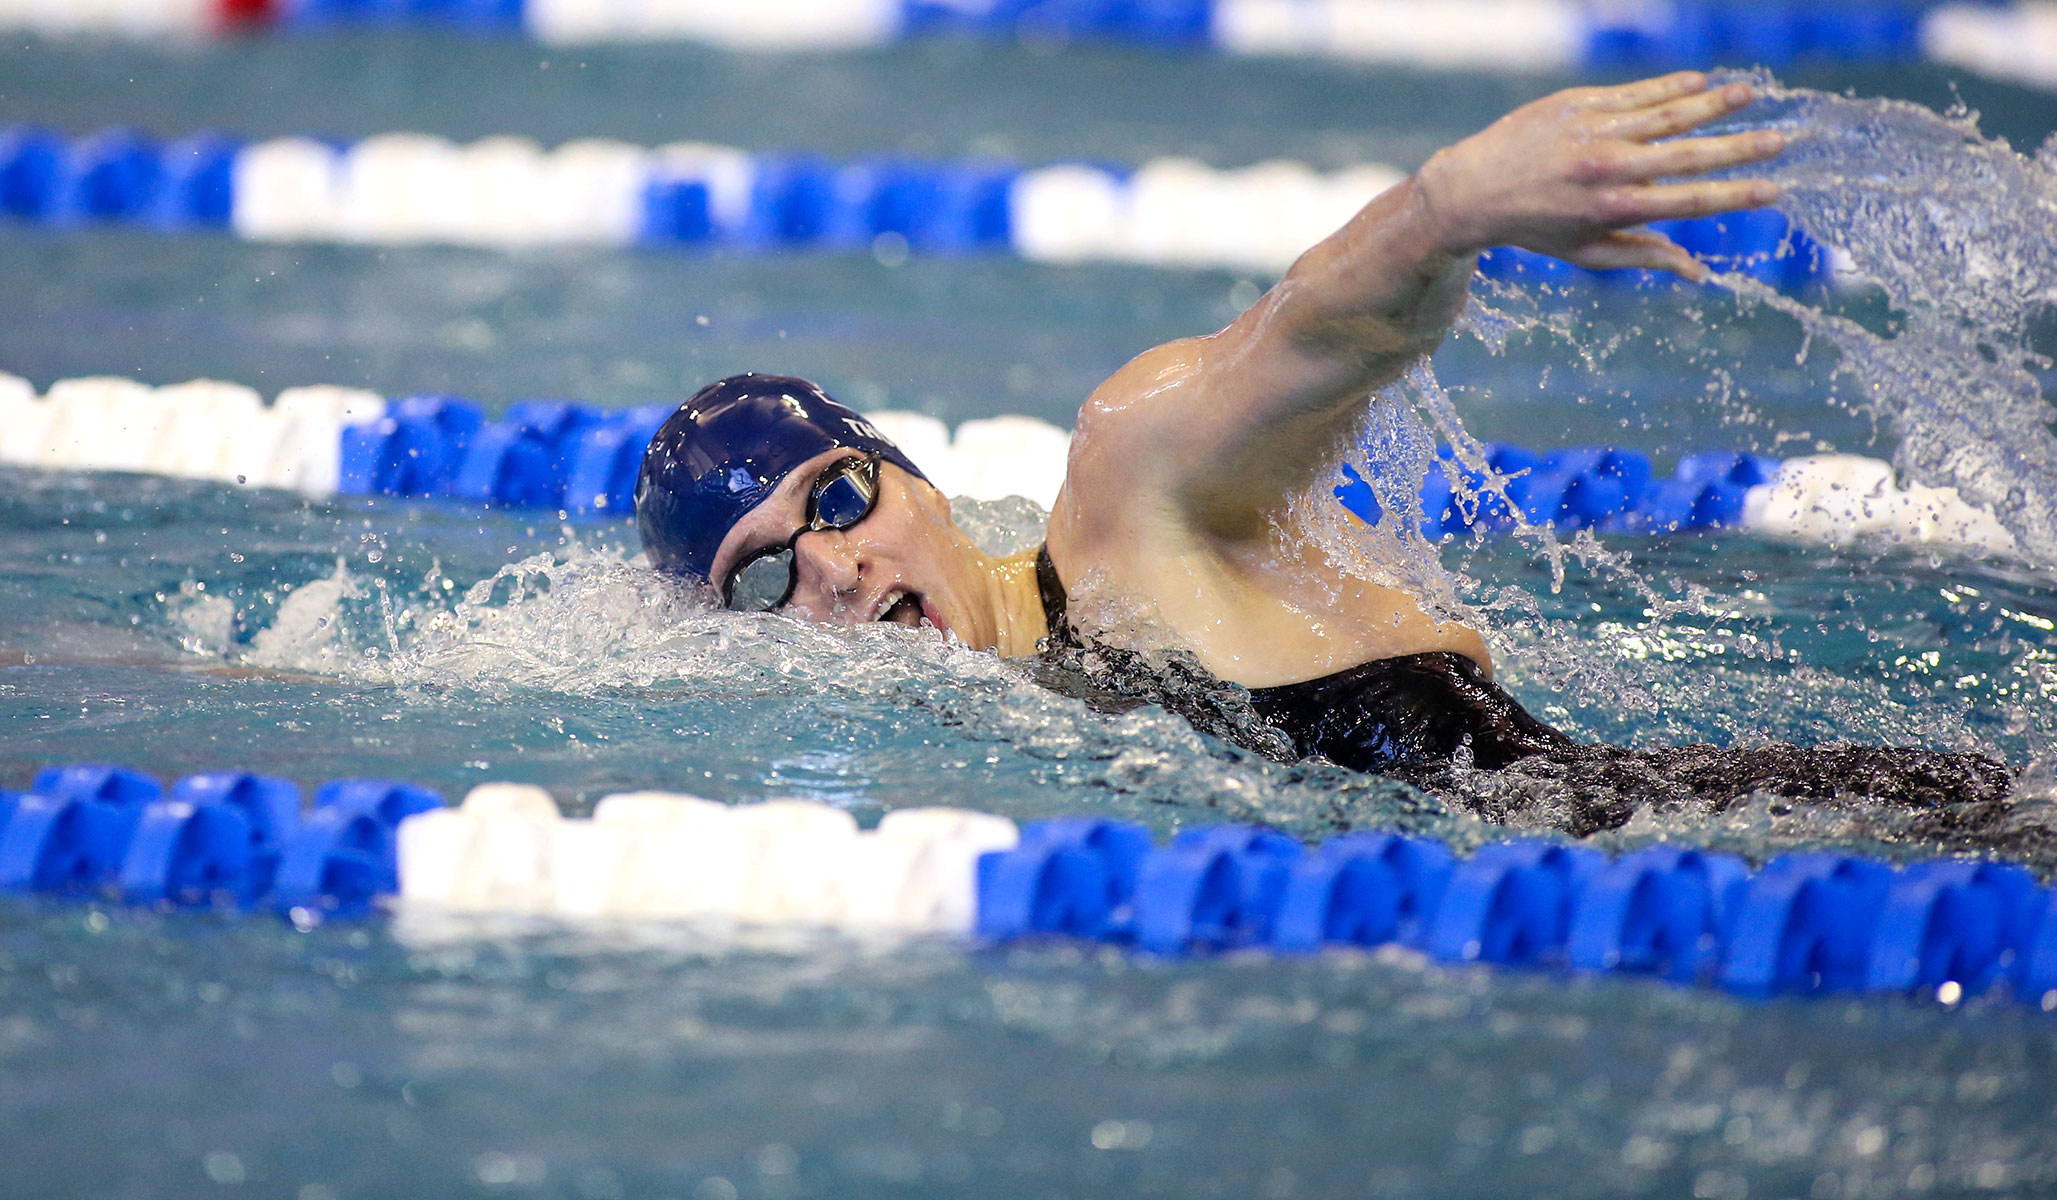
540	454
1589	487
1691	32
1803	924
231	839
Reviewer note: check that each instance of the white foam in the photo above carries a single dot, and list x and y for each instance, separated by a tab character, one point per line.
1954	228
304	633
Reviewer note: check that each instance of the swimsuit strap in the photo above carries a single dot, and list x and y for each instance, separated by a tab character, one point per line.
1051	588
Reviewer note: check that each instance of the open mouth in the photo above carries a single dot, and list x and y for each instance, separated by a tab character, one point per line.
905	611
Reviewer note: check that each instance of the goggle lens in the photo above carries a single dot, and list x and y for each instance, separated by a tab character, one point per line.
843	501
762	583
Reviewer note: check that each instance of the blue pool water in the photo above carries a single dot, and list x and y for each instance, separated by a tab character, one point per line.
180	627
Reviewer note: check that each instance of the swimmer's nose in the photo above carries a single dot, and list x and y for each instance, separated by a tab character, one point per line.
831	569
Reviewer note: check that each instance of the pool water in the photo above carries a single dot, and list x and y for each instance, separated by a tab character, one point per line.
181	627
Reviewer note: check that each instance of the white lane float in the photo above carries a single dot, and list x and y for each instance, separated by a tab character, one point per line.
1834	499
508	850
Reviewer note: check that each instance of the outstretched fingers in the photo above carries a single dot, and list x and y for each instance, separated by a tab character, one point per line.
1645	92
1645	250
1660	202
1697	156
1673	117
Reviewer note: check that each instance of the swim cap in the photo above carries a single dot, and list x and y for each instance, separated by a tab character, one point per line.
725	450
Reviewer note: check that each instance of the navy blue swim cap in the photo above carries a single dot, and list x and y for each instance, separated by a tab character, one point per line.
725	450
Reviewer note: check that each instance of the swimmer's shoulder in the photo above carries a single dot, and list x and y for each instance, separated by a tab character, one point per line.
1135	508
1125	452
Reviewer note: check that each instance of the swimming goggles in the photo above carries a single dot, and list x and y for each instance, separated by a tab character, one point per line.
843	494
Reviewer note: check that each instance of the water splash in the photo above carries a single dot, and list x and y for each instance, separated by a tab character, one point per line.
1957	232
1960	234
595	624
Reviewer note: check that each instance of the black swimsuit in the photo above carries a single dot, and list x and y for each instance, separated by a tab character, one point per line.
1426	718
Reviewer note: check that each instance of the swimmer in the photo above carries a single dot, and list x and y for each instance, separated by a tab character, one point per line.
1183	464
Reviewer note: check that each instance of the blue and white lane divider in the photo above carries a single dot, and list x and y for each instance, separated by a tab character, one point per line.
1810	923
2004	40
509	192
583	461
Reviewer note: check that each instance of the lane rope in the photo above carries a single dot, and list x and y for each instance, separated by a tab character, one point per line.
582	461
509	193
1803	924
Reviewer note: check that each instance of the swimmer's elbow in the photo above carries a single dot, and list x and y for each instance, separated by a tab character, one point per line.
1369	296
1372	343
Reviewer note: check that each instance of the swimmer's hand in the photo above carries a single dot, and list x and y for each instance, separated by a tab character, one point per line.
1571	174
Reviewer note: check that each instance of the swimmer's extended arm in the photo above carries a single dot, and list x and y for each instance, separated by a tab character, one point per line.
1224	428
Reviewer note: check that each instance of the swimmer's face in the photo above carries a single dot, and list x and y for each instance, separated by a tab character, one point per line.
905	562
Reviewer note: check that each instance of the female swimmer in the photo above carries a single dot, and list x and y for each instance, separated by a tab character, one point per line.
1183	464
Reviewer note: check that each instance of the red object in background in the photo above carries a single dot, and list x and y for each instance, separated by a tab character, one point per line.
245	12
